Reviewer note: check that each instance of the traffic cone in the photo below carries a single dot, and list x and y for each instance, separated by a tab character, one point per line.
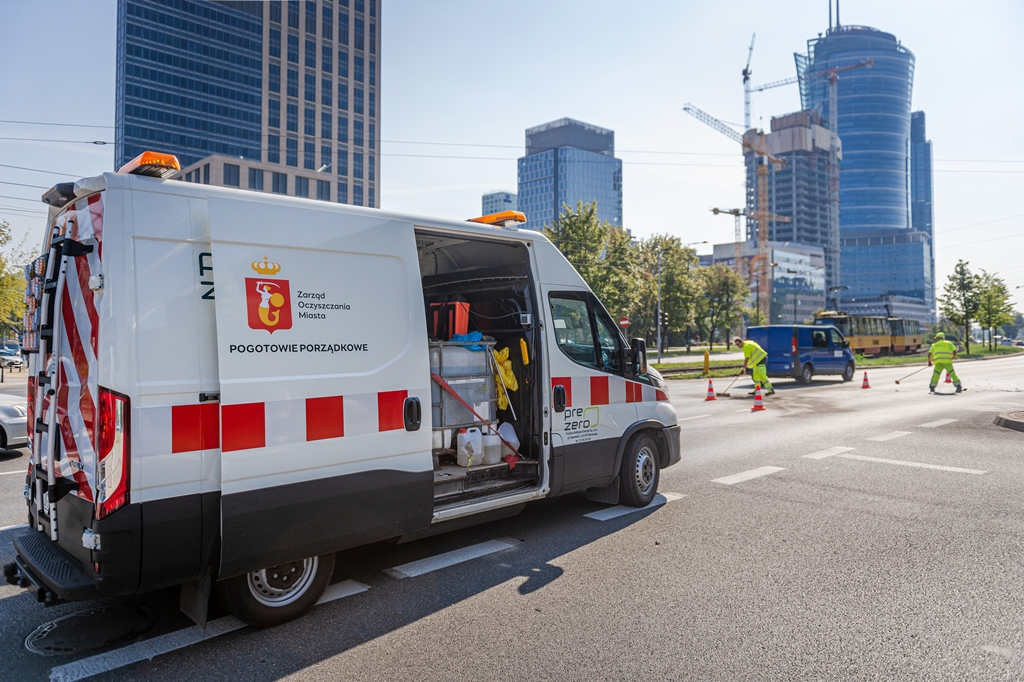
865	384
758	403
711	392
949	379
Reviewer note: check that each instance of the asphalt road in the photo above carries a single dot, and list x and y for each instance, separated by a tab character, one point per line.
893	553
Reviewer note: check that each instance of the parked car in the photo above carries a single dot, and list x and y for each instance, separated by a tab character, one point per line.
1019	343
801	351
13	421
11	358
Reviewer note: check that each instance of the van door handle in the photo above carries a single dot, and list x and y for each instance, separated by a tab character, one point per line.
413	414
558	397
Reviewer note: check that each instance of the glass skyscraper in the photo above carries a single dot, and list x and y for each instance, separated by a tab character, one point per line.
498	201
921	183
881	253
280	96
568	161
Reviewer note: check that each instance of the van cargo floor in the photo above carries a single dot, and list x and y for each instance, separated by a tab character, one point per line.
452	483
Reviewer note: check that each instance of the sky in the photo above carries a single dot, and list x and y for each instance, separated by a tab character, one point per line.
465	78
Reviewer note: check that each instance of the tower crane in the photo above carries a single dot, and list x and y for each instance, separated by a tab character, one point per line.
761	214
746	85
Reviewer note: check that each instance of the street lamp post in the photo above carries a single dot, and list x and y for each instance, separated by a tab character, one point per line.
835	294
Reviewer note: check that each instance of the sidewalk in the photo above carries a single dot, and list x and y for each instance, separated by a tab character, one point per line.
14	383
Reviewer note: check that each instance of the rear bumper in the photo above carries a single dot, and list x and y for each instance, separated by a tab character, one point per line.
47	571
672	435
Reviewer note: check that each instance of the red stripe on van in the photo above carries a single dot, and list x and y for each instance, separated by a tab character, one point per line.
195	427
598	390
325	418
565	382
244	427
389	410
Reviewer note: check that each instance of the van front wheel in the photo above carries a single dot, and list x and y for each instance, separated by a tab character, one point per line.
640	471
278	594
848	372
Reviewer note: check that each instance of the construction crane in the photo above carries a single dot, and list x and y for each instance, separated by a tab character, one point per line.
736	213
775	84
761	214
833	269
746	85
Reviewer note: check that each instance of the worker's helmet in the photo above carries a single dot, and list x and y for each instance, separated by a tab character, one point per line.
939	336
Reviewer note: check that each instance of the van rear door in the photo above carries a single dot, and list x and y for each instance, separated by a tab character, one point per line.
321	338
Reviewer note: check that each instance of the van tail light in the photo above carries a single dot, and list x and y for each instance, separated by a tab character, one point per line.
113	466
794	346
30	417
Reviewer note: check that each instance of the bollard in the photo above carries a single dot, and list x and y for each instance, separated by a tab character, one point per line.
707	363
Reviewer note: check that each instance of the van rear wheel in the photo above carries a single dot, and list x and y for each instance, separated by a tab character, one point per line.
640	471
806	374
278	594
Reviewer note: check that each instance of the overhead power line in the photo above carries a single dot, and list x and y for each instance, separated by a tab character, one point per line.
987	222
21	184
39	170
39	139
66	125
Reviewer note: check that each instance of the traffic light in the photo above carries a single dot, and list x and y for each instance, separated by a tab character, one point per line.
664	318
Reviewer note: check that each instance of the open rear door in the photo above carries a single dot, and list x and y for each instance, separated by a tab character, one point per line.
321	337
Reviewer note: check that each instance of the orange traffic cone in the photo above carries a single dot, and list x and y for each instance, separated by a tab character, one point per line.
865	384
711	392
758	403
949	379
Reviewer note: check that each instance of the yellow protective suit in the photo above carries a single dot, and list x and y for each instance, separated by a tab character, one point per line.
505	376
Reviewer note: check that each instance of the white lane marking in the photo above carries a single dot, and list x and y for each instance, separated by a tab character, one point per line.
699	416
20	525
937	422
609	513
747	475
11	473
150	648
919	465
822	454
142	651
346	588
435	563
891	435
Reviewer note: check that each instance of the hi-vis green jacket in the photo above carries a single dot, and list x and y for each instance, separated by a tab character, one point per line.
753	353
942	351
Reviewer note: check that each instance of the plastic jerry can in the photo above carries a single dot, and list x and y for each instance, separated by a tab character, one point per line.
470	450
492	448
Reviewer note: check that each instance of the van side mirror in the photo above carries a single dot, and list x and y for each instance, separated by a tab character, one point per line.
558	398
639	348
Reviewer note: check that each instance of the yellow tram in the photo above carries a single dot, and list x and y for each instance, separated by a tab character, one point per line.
874	334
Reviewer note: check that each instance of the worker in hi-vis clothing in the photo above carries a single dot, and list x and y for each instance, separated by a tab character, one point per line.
753	359
940	356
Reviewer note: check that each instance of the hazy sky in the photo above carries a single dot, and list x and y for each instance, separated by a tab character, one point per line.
474	75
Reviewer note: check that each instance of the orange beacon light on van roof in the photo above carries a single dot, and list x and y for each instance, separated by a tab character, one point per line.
152	164
501	218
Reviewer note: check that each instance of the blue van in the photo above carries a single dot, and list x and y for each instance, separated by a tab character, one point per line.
801	351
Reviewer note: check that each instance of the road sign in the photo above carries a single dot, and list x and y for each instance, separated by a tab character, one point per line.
623	321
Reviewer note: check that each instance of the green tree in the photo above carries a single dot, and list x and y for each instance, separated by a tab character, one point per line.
961	299
1012	329
12	281
680	288
721	306
994	308
951	331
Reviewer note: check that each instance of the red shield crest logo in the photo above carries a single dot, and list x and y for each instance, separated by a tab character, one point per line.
269	303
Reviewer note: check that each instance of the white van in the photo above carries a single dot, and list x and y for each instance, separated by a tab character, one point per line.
228	387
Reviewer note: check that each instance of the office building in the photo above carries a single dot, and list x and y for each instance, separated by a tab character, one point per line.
498	201
280	96
566	162
882	254
797	277
799	189
921	186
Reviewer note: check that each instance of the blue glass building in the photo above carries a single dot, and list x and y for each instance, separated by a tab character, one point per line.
498	201
189	79
882	254
921	183
568	161
280	96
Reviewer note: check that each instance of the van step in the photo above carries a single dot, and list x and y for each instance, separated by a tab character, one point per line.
453	482
48	565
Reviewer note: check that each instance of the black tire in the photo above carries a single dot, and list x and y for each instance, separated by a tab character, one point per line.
268	597
849	371
640	471
806	374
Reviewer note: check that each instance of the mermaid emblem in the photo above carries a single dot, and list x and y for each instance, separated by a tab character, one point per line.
268	300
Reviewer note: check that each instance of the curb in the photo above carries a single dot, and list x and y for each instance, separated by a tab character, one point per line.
1010	420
